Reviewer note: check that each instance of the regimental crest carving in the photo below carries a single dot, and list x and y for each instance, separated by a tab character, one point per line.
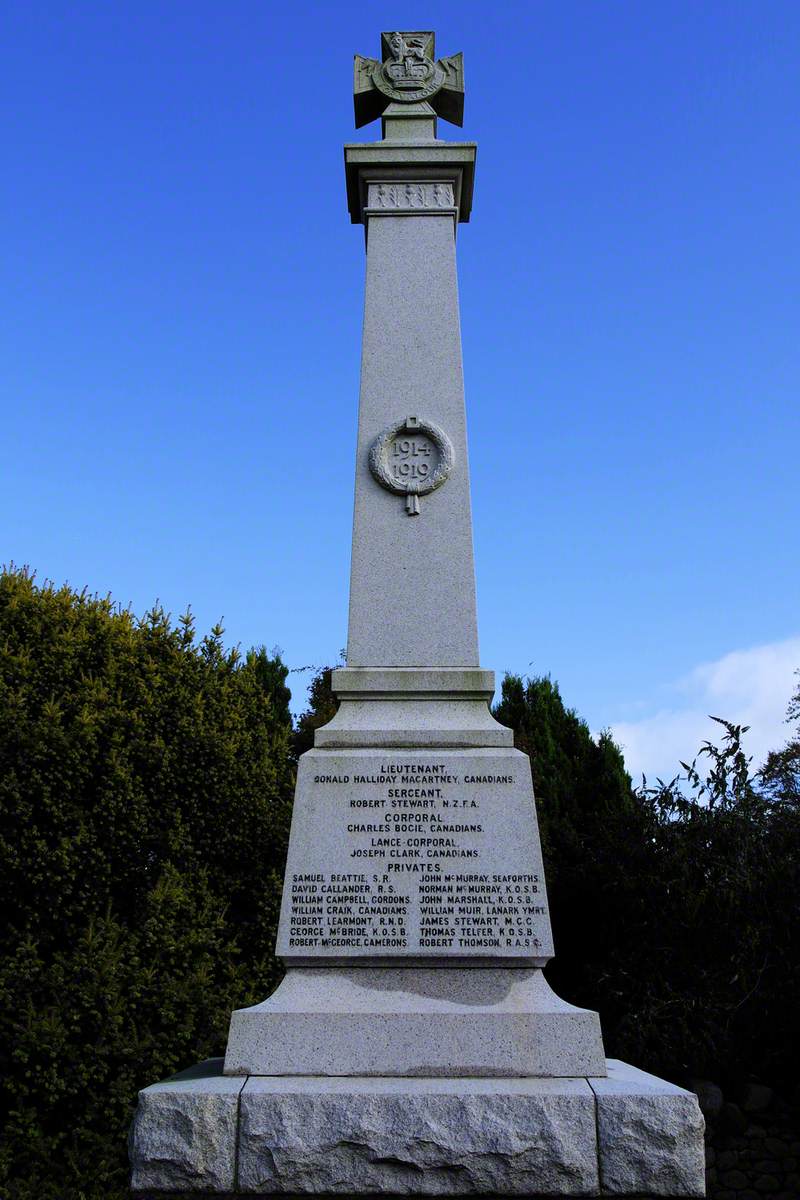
411	458
408	74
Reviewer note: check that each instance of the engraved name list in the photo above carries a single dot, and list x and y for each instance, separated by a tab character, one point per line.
416	856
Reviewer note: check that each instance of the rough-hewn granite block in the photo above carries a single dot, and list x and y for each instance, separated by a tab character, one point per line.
183	1137
650	1135
442	1137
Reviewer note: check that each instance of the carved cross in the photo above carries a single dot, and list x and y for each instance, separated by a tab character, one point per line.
408	74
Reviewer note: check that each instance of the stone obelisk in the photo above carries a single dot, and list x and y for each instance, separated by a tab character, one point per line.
414	1045
414	890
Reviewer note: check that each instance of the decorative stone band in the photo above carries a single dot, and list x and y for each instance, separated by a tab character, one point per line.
387	706
410	196
375	683
411	199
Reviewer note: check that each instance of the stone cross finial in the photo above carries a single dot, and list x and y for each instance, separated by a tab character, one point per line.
408	75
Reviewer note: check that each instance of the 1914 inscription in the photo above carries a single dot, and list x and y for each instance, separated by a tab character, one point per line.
415	856
412	458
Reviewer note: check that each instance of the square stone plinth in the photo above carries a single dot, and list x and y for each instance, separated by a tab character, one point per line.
202	1134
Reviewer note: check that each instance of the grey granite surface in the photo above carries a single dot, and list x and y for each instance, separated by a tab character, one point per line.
628	1134
415	1022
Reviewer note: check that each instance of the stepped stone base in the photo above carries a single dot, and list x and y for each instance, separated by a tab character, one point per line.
415	1022
212	1135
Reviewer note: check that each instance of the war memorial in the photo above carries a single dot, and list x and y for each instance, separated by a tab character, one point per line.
414	1045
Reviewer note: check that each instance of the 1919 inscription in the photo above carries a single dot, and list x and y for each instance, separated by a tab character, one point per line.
412	458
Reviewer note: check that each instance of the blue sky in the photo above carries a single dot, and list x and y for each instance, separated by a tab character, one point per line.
181	296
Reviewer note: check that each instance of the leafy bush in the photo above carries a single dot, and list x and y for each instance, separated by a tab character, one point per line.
322	707
676	908
145	795
597	848
725	920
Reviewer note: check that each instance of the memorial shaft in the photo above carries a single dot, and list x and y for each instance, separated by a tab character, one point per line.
414	837
412	588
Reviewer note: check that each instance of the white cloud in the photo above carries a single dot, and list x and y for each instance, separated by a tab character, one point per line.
748	687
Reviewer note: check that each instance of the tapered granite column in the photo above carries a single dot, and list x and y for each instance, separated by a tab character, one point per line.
412	675
412	583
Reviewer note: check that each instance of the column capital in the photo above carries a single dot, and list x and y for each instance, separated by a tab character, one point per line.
399	162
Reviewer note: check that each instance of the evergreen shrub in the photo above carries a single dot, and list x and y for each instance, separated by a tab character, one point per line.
145	796
675	907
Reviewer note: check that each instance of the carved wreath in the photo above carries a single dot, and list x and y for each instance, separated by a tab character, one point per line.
411	488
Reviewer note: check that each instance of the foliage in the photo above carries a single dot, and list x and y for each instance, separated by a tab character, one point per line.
780	775
145	791
145	795
595	844
675	906
322	706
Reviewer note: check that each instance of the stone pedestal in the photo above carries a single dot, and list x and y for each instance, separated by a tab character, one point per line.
624	1134
414	1046
415	1022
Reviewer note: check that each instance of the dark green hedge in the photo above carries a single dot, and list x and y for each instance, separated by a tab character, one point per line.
676	908
145	794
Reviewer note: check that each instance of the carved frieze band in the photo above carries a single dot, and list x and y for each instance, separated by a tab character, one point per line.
410	197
